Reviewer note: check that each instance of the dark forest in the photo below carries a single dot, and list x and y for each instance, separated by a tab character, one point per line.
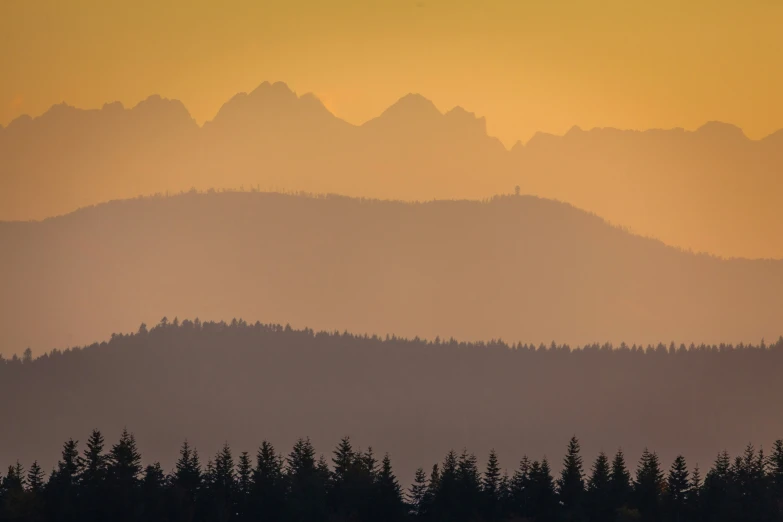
215	381
100	483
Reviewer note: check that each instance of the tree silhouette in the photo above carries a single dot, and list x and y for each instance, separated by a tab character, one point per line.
417	493
678	490
648	485
304	488
571	483
620	481
599	492
491	488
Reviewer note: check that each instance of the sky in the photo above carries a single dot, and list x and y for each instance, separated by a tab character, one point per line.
526	66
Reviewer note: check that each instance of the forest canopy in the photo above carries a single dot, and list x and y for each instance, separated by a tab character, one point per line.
100	482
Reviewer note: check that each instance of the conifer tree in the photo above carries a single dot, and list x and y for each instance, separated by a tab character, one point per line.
599	493
306	497
776	467
268	495
445	501
344	480
620	481
571	483
35	478
91	479
678	489
718	489
61	491
490	486
223	485
417	492
433	487
388	505
153	493
648	485
122	478
244	486
469	486
14	505
520	489
694	507
542	491
187	473
504	496
344	459
35	508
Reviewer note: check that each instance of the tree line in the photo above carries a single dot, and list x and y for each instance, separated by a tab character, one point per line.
167	330
99	483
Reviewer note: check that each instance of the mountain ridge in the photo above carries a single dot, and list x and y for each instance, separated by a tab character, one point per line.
515	267
712	189
421	103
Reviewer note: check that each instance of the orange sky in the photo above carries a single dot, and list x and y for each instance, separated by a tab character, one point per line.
525	65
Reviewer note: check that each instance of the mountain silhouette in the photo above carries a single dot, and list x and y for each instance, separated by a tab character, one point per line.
711	190
517	268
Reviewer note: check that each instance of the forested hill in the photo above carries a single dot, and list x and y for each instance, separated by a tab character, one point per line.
516	267
243	383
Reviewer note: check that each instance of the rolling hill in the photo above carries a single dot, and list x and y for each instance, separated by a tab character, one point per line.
515	267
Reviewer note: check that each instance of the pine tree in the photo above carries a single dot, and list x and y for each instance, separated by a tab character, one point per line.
61	491
70	465
14	499
223	486
187	474
343	460
94	462
122	472
469	486
504	497
389	504
648	485
490	486
429	508
244	485
91	480
571	483
776	468
35	478
620	481
678	488
306	495
599	492
344	480
153	493
520	489
36	501
445	502
542	491
718	490
694	495
269	491
416	494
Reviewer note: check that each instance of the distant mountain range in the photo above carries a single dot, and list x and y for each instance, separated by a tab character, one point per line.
711	190
516	268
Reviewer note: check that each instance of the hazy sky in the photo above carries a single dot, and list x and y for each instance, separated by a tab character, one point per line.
525	65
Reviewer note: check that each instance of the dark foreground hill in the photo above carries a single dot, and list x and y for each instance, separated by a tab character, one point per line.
214	382
516	268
